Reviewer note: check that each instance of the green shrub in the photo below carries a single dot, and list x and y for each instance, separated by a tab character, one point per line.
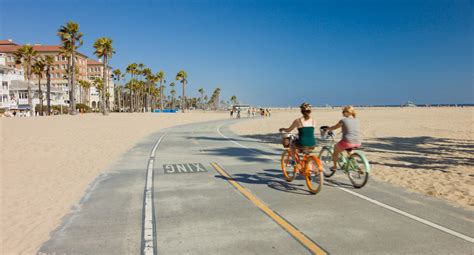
58	109
83	108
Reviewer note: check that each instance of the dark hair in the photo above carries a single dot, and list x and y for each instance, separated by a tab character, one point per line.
305	110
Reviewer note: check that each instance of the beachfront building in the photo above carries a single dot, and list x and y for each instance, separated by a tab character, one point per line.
59	83
7	75
94	69
14	89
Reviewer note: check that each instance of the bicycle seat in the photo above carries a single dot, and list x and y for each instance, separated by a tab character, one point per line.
306	150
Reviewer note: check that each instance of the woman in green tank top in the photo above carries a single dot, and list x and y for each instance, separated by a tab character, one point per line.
305	126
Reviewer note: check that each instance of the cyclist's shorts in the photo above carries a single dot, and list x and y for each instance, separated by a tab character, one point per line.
344	145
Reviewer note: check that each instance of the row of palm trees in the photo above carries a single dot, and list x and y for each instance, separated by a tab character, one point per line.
71	40
139	92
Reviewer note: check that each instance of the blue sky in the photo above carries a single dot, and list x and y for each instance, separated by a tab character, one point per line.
277	53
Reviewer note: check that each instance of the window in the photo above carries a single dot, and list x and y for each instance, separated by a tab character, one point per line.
5	85
23	95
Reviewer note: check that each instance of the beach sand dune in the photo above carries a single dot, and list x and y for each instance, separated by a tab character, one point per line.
427	150
48	162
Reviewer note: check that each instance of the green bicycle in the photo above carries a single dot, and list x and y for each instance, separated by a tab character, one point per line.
353	162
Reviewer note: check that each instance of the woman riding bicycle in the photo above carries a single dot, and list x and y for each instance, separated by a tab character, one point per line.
305	126
351	137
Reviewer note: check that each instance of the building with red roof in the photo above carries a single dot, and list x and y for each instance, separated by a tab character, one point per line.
87	69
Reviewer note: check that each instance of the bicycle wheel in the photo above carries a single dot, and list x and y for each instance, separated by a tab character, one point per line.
287	167
326	159
358	170
315	179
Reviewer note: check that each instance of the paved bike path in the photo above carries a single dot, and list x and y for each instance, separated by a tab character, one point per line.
202	213
343	223
197	213
429	208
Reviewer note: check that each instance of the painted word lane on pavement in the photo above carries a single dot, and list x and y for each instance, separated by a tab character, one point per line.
184	168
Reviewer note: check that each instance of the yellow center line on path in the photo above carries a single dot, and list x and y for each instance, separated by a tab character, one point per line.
294	232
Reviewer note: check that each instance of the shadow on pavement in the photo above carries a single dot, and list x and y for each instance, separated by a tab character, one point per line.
420	152
266	138
273	179
244	154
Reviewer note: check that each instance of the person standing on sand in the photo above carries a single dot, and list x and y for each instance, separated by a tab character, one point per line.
231	113
351	137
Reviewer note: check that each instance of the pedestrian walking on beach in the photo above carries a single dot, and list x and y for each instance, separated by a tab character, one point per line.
238	114
231	113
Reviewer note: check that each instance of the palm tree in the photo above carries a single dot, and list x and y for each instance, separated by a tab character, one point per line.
183	77
38	69
85	85
215	98
117	75
141	88
138	86
149	78
155	92
71	39
151	81
201	90
233	99
48	61
104	49
172	92
162	93
161	76
99	84
218	93
132	70
26	56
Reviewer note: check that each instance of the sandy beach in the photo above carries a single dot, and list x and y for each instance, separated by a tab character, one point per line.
426	150
47	163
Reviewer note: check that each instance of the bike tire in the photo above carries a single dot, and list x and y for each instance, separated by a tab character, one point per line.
325	156
287	168
358	167
314	180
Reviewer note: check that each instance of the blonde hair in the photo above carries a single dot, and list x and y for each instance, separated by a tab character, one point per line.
349	109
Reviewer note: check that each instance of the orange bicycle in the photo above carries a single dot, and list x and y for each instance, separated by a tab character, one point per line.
308	166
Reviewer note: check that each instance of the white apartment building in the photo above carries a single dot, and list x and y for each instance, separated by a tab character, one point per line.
14	89
59	85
